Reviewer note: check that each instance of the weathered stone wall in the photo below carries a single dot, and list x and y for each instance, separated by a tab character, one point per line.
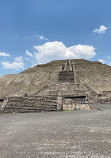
29	81
105	97
68	89
64	89
66	76
30	104
95	75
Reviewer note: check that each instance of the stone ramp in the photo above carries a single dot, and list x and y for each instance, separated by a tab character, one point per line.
3	105
92	95
30	104
89	89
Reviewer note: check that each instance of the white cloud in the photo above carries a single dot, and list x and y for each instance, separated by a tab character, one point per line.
16	64
42	37
57	50
28	53
102	61
18	59
101	30
3	54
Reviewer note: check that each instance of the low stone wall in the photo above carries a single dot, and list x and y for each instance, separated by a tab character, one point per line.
76	107
31	104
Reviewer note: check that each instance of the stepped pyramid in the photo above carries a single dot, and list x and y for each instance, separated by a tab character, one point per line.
77	81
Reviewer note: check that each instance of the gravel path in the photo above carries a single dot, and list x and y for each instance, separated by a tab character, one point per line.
78	134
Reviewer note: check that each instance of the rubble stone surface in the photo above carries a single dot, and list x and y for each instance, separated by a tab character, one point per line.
77	134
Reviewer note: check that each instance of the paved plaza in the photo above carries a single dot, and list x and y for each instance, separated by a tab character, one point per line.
76	134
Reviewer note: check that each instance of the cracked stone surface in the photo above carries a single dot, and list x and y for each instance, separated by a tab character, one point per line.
56	134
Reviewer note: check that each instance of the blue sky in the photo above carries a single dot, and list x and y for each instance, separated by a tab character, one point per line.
37	31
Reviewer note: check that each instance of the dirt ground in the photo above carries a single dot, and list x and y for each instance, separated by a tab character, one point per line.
76	134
